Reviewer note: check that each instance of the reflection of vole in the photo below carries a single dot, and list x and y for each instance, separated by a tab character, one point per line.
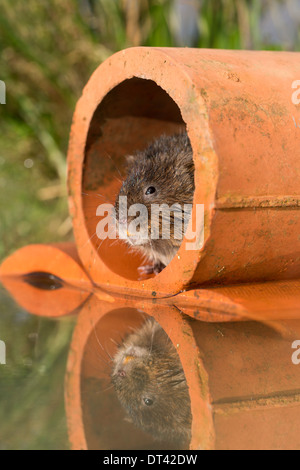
151	386
161	174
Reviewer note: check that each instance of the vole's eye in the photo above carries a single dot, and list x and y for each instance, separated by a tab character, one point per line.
150	190
148	401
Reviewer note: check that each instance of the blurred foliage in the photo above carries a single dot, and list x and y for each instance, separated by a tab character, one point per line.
48	52
32	382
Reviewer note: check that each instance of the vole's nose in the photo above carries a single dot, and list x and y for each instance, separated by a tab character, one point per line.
121	373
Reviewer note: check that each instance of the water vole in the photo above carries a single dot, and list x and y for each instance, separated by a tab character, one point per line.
163	173
150	384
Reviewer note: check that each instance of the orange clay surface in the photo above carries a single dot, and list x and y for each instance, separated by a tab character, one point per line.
242	286
238	111
242	383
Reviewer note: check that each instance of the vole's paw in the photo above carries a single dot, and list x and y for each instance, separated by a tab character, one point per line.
148	269
158	267
145	271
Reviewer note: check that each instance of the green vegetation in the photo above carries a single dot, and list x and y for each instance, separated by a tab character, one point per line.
32	382
48	51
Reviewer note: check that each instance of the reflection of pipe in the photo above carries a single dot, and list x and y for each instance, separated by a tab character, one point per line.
46	280
265	302
242	383
238	111
97	325
21	275
253	383
240	375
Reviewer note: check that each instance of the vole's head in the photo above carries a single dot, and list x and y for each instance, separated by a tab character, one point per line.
161	174
150	382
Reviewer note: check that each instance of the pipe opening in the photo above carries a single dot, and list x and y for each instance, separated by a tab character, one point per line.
128	119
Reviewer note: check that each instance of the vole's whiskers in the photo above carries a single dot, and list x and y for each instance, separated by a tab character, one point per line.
98	195
101	359
113	162
100	344
115	342
105	389
100	244
152	340
90	239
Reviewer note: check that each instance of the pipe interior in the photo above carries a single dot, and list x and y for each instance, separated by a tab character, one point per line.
129	117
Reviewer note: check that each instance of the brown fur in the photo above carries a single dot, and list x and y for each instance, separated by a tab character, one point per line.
167	164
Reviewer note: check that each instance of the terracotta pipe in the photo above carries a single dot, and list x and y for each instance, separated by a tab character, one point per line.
268	302
46	280
242	382
20	274
253	385
90	400
238	110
